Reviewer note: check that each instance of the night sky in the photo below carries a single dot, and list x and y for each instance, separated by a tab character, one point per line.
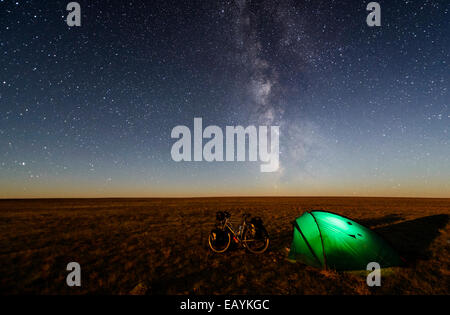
88	111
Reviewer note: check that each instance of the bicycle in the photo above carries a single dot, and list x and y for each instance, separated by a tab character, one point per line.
251	234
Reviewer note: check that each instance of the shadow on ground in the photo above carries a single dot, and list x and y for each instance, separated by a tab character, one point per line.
412	238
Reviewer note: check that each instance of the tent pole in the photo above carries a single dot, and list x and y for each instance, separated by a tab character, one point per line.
306	241
321	240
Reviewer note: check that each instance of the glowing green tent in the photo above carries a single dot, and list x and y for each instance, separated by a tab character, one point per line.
327	240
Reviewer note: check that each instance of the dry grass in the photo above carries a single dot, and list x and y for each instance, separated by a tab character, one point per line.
159	246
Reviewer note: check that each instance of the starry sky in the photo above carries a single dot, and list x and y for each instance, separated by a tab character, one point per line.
88	111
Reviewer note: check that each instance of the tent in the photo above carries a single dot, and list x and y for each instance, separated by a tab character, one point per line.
327	240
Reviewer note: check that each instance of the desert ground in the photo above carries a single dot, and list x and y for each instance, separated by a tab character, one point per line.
159	246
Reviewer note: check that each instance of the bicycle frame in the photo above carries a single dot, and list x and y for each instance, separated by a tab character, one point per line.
237	234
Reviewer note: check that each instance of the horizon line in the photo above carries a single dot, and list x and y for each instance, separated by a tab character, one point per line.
207	197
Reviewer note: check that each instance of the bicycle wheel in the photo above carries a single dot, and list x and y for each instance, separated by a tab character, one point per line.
256	240
219	240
